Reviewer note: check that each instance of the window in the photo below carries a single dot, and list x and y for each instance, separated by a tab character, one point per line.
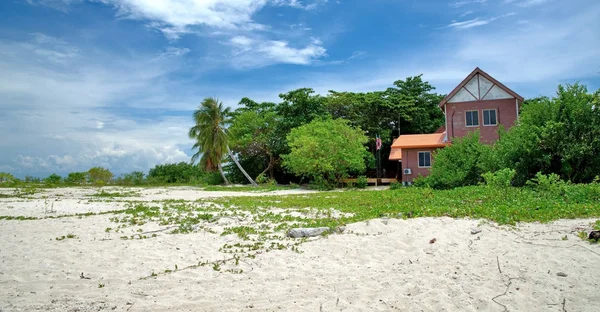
472	118
424	159
489	117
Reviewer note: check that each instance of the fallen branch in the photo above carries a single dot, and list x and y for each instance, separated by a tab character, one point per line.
498	263
564	302
504	293
157	231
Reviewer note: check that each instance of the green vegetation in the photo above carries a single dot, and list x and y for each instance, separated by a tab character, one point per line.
106	194
212	139
556	138
326	150
502	205
65	237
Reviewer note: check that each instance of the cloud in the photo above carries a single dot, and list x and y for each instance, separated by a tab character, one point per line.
71	116
466	2
259	52
525	3
475	22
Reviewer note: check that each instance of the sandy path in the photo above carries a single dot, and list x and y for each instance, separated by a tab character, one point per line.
380	265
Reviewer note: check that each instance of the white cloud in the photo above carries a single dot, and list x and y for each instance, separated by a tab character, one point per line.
258	52
475	22
69	117
459	4
526	3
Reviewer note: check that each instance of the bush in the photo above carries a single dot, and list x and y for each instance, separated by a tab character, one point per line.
325	150
362	182
500	178
7	178
175	173
77	178
133	178
395	185
550	183
459	164
53	179
559	135
263	179
99	176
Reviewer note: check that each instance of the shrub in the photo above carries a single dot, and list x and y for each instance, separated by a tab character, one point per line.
395	185
548	183
175	173
326	150
263	179
458	165
133	178
500	178
76	178
53	179
99	175
362	182
7	178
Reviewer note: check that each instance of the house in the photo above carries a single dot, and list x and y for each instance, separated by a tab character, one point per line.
479	102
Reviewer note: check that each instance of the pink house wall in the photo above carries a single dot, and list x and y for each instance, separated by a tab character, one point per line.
506	114
410	159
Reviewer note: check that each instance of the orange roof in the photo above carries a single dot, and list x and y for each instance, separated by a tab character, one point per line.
420	140
395	154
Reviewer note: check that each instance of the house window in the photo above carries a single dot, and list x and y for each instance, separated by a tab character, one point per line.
472	118
489	117
424	159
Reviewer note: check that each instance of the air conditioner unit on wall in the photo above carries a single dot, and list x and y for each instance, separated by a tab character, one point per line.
407	171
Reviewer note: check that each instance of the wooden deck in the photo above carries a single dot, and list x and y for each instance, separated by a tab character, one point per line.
372	181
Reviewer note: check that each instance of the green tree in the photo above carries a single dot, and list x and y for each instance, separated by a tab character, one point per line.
6	177
76	178
559	135
133	178
415	106
253	135
326	149
210	132
53	179
171	173
99	175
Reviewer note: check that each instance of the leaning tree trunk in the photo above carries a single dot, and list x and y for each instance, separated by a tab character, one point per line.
240	166
223	174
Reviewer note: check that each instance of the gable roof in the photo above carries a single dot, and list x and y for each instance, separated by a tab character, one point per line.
486	76
420	140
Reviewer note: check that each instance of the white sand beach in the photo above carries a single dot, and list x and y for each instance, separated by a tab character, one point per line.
379	265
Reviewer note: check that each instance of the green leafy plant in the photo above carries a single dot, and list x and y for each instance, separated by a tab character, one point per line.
362	182
395	185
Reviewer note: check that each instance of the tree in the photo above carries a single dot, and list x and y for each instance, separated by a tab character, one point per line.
326	149
416	106
559	135
76	178
99	175
53	179
7	178
210	132
253	135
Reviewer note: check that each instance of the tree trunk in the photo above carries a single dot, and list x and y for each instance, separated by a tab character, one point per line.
240	167
223	174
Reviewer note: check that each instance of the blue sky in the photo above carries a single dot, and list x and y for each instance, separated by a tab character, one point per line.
113	82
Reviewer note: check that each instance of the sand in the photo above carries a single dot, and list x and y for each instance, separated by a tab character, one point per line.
379	265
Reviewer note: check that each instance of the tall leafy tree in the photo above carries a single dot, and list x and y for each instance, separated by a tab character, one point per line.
326	150
210	132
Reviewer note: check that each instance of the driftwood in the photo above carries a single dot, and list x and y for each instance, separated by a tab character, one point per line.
312	232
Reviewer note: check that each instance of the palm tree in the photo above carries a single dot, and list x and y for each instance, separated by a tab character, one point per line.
210	132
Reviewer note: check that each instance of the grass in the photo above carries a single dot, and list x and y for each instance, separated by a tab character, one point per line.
502	205
65	237
244	188
105	194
